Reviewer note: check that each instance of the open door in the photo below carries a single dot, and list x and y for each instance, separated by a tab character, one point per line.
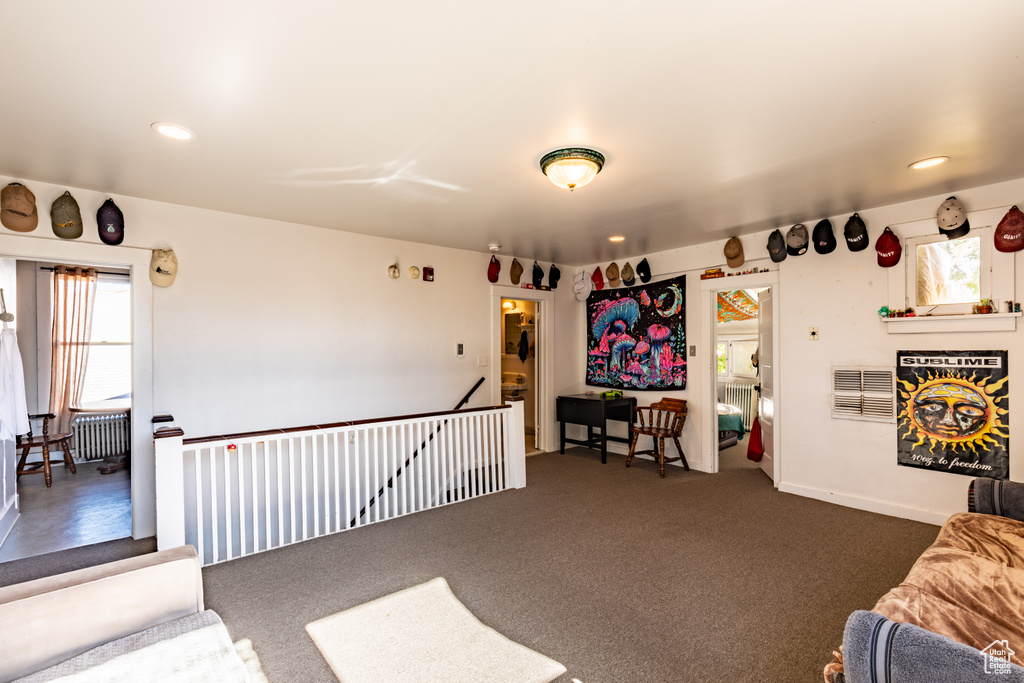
766	403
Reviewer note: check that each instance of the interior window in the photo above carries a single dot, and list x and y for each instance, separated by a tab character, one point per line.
741	356
108	373
723	358
949	272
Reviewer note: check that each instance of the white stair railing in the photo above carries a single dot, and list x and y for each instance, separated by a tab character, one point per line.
236	495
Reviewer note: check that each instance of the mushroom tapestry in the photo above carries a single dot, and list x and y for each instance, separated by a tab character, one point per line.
636	336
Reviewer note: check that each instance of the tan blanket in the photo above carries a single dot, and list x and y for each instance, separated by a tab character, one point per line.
968	585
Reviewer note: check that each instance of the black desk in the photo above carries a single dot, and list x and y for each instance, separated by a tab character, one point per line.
593	411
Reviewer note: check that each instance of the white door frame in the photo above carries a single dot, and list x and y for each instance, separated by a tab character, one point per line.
136	259
545	343
709	290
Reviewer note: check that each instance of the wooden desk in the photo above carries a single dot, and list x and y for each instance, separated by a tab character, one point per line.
594	411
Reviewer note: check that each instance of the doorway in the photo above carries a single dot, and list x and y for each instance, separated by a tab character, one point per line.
766	286
737	380
93	503
519	376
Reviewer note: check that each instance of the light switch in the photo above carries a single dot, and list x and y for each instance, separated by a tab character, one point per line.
481	361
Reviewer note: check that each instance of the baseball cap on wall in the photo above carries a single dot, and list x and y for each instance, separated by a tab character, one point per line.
581	285
553	276
538	275
65	217
18	208
824	238
1009	234
889	249
856	233
597	279
796	240
777	246
733	252
493	268
110	223
516	271
643	270
612	273
163	267
952	219
628	276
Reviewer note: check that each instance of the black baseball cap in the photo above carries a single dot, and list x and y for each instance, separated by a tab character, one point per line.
824	238
856	233
643	270
777	246
110	222
538	275
553	274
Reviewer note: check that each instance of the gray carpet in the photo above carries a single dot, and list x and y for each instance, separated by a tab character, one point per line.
614	572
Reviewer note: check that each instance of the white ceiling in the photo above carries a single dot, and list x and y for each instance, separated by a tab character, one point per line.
426	121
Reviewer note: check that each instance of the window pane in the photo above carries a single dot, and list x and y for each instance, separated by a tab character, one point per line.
742	352
112	316
949	272
108	373
722	358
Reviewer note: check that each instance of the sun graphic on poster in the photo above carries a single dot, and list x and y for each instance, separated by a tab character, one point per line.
953	412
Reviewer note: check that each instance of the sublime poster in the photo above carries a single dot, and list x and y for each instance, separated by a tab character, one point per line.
953	412
636	336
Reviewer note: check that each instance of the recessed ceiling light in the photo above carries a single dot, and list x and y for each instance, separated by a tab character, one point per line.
173	130
930	161
616	238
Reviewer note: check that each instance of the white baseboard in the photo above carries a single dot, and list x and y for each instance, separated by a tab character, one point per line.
7	520
868	504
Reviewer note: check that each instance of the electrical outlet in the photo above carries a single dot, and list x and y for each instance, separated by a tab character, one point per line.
481	361
814	334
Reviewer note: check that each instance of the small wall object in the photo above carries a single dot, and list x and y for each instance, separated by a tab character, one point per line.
428	274
163	267
414	272
393	271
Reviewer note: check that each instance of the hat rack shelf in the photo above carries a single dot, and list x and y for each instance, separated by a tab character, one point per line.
964	322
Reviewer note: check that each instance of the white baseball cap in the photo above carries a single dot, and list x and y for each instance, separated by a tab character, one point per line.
582	285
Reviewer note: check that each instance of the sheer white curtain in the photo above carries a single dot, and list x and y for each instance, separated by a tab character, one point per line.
74	293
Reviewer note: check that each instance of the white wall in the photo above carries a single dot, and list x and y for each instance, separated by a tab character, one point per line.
273	324
848	462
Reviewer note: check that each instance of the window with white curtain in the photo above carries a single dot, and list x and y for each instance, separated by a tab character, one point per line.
109	371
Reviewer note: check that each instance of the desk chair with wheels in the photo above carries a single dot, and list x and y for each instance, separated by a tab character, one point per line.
45	440
664	419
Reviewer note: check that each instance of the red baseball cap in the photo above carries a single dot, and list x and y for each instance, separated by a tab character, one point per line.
888	248
1010	231
493	268
598	279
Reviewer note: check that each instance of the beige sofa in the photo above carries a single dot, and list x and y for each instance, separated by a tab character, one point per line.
137	619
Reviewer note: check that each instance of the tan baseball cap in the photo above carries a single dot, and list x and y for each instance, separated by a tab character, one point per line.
734	252
612	274
516	271
163	267
18	208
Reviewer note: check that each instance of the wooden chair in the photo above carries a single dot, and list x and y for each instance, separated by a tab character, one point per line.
45	440
664	419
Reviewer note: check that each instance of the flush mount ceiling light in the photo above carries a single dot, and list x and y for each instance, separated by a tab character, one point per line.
928	163
571	167
173	130
617	238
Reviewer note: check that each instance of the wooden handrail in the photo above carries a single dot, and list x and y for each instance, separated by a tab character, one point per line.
332	425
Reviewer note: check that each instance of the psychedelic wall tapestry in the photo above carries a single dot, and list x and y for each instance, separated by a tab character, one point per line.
737	305
636	336
953	409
